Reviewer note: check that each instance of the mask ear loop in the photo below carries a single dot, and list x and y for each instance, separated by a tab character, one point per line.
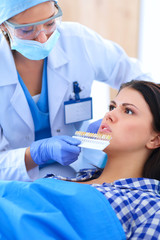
6	33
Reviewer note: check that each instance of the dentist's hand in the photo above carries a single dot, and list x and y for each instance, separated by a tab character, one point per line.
94	126
62	149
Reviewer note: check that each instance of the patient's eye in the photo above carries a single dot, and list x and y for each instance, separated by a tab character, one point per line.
128	111
111	107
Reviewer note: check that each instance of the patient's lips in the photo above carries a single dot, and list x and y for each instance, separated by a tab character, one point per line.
105	129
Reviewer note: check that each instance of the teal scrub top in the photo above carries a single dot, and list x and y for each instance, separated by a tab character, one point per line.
39	110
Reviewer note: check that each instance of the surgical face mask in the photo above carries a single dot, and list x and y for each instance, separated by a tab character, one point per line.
34	50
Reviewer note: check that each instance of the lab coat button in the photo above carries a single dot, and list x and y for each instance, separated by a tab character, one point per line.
58	130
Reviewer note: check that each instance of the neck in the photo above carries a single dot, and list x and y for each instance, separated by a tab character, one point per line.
23	61
30	71
122	165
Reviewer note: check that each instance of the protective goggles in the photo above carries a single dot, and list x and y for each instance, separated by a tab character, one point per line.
30	31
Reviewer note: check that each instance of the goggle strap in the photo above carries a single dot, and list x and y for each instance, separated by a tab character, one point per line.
16	26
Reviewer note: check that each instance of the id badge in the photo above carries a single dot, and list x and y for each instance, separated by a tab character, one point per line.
77	110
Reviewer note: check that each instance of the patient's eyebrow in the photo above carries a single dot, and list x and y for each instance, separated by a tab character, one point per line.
123	104
128	104
113	102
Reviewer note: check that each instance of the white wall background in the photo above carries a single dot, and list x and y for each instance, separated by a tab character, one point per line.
149	37
100	103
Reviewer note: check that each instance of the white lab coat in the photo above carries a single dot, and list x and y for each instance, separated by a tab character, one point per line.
79	55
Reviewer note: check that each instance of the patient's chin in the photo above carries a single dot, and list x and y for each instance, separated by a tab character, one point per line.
105	150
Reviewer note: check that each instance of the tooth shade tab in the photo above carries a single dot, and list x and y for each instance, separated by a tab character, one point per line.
93	135
92	140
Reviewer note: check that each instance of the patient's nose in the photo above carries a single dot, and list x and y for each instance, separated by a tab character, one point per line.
112	116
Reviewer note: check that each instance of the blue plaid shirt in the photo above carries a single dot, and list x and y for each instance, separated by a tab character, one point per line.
136	202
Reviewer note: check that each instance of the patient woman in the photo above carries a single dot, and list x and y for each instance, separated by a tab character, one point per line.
131	178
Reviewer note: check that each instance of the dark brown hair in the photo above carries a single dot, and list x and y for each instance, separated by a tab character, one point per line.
151	93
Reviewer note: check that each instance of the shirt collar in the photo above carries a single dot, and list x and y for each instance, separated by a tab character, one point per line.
143	184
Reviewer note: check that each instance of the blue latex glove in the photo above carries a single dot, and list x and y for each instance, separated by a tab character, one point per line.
94	126
62	149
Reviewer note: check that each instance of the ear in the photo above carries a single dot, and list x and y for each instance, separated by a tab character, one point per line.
154	142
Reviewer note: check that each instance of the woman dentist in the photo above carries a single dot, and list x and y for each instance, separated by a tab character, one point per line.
40	62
